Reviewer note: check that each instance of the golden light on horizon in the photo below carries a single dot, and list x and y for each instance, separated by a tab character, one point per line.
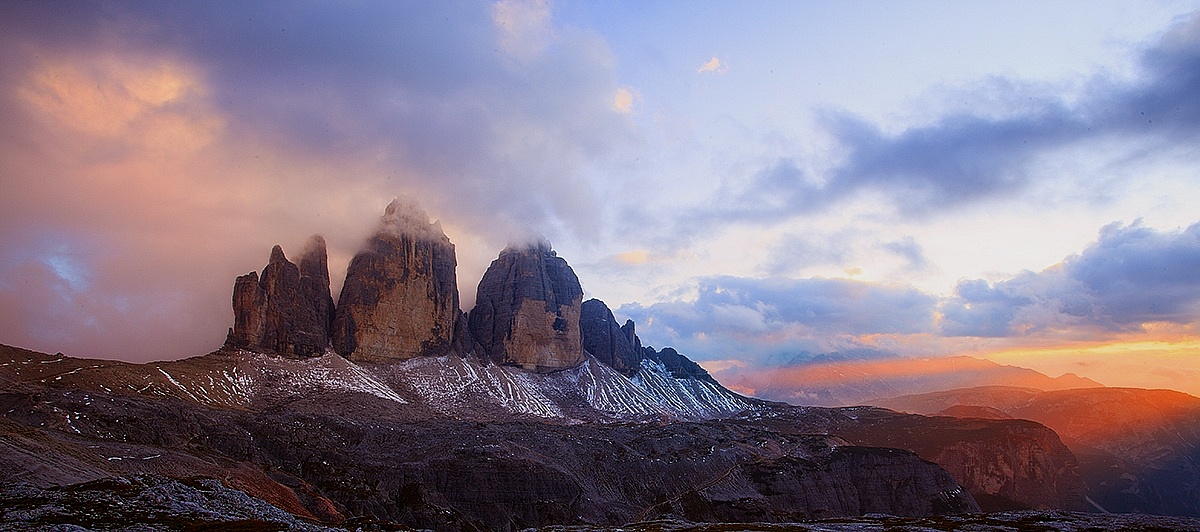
1169	362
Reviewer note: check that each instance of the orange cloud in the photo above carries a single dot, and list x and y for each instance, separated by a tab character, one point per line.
623	101
712	66
106	96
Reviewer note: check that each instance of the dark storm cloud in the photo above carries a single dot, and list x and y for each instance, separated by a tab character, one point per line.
774	313
1131	276
970	156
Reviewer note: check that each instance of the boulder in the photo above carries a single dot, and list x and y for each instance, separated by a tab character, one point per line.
527	310
400	298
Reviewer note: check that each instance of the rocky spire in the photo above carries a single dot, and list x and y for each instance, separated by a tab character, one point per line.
609	343
527	310
287	310
314	289
400	298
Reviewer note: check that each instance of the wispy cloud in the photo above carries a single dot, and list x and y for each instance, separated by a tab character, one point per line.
757	317
970	156
712	66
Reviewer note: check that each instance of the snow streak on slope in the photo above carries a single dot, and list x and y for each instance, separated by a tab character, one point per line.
237	379
460	387
606	390
464	388
688	398
453	385
330	372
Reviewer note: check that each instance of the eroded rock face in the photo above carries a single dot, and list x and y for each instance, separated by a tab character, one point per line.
400	298
527	310
681	367
1005	464
608	342
287	310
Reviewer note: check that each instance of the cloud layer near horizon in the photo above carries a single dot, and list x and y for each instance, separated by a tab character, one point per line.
1130	278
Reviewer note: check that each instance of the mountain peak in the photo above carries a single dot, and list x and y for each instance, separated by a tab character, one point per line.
404	216
277	255
287	310
536	243
527	310
400	297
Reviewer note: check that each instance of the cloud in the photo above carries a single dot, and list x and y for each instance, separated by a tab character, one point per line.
171	145
1130	277
1132	282
908	249
756	317
990	149
525	26
623	101
794	252
712	66
844	248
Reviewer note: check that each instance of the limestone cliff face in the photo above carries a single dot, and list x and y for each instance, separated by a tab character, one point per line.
287	310
527	310
314	288
400	298
608	342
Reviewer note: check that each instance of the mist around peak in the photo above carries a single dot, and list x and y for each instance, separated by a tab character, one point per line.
405	216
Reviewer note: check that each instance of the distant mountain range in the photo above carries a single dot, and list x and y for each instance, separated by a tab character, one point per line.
393	408
826	381
1138	450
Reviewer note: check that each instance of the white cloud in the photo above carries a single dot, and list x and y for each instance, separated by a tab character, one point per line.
524	26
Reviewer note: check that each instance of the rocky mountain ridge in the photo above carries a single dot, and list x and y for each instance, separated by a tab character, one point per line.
535	408
442	444
400	301
82	404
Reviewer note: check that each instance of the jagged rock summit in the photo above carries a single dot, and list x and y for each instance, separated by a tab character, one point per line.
288	310
400	298
527	310
614	345
400	301
399	311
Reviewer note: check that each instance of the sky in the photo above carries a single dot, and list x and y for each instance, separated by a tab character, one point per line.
754	183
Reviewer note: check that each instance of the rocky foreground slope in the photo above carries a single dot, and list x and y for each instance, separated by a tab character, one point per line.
159	503
340	442
533	409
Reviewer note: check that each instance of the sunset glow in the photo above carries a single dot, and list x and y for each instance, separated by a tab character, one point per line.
758	185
